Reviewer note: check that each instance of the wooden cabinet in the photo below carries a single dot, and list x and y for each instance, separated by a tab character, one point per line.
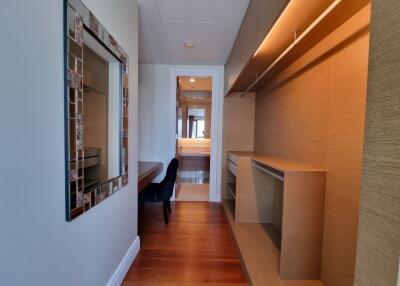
289	198
295	31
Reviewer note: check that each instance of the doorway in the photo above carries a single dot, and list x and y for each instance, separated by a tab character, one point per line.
217	96
193	140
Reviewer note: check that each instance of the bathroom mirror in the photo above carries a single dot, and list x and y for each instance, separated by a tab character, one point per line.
196	122
194	119
96	99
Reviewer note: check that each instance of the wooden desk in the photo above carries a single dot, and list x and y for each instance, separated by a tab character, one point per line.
147	171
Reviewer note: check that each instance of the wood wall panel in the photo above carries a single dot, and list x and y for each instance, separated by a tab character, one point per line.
259	253
302	225
345	146
313	113
378	248
238	128
301	210
291	120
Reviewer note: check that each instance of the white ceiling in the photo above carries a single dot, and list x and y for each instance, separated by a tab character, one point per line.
166	24
200	83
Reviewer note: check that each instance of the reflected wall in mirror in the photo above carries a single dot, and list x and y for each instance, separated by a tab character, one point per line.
194	107
102	113
96	122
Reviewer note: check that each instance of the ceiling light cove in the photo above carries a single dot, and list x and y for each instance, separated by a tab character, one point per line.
187	11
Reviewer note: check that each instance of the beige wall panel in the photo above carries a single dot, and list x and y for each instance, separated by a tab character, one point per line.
291	120
302	225
346	138
378	248
238	128
313	113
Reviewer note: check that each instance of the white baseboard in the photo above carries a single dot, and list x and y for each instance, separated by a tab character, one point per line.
125	264
215	198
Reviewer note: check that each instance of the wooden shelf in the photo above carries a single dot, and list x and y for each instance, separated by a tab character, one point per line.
90	184
281	165
89	89
265	187
232	189
258	246
295	32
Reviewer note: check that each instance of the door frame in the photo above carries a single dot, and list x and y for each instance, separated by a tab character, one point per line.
217	96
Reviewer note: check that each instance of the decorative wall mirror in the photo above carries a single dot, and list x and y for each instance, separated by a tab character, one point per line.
96	111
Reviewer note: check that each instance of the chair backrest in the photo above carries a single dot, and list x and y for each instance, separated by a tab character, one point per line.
167	184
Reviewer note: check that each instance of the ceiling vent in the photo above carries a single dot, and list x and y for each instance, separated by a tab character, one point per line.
187	11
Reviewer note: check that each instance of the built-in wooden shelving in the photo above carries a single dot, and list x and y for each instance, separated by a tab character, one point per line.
296	31
258	246
232	189
265	186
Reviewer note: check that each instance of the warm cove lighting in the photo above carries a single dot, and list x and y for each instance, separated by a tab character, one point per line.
272	29
288	13
192	80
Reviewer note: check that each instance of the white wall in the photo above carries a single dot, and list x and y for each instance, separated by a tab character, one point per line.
157	118
37	245
154	114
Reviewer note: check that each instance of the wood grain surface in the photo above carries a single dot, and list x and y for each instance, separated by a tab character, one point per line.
378	248
238	129
313	113
260	254
299	208
147	171
196	248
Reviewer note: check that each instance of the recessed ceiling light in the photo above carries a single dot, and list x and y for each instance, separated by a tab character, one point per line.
192	80
189	44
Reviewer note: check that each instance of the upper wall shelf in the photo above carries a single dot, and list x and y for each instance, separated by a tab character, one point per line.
300	26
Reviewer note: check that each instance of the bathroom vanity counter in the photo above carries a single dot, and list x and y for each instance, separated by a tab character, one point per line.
194	154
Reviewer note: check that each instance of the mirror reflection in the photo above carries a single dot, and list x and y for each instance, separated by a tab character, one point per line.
102	96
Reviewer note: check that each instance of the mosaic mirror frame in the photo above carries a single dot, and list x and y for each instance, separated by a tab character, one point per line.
77	18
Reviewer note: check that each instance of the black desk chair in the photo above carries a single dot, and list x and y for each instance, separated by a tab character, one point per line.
161	192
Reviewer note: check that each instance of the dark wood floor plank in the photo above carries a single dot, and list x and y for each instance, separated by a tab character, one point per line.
180	263
151	283
186	274
196	248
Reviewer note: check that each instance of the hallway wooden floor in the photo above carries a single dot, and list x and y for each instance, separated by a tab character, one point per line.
196	248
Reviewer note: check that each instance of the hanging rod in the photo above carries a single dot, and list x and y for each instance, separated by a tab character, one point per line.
298	39
265	170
